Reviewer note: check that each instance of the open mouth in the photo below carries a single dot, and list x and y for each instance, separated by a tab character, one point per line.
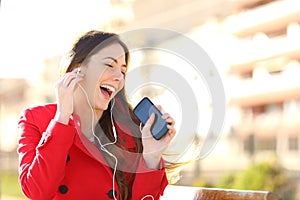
107	90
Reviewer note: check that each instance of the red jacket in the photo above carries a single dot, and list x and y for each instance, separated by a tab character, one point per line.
59	162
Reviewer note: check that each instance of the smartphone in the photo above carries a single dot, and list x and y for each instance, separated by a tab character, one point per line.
143	110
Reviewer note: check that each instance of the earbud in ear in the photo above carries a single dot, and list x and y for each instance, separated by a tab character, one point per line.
78	71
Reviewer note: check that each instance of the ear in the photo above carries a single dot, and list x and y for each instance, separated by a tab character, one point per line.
78	71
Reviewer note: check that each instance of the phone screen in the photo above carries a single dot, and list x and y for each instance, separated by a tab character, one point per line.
143	110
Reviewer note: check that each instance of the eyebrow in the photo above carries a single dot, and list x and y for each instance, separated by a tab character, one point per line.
115	60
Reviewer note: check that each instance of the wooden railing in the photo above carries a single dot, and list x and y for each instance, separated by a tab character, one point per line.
198	193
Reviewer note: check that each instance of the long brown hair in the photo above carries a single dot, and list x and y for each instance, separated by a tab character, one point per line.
87	45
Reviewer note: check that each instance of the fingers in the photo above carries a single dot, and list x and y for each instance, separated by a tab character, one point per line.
70	79
77	79
160	108
172	131
146	130
171	126
171	122
149	122
167	117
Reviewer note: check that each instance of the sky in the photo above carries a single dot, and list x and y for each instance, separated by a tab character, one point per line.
32	30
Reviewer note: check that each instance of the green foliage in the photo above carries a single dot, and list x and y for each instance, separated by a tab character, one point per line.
9	185
227	181
268	176
202	182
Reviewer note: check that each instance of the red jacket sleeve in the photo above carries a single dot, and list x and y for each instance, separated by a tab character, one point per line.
42	154
149	182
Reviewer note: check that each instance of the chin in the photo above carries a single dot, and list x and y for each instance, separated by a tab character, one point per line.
102	107
102	104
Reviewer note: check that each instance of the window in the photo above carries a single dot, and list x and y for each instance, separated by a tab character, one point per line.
263	144
293	143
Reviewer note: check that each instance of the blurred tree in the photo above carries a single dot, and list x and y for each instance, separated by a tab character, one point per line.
268	176
202	182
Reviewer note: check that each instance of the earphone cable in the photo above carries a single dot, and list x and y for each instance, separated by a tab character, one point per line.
102	147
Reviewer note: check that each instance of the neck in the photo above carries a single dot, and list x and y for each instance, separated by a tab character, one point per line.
89	116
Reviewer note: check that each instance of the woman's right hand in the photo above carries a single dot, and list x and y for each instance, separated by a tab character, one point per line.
64	90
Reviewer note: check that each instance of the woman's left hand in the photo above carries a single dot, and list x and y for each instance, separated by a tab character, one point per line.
152	148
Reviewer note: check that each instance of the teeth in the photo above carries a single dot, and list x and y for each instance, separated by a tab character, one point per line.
110	88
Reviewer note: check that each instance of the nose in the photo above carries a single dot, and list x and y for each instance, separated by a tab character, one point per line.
118	75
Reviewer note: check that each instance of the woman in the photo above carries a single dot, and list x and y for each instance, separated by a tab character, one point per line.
89	145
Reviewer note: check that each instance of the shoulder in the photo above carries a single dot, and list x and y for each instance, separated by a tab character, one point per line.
44	108
46	111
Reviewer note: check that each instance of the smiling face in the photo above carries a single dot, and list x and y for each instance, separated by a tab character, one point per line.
104	75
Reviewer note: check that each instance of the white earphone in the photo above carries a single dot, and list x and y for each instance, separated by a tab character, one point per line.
102	146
